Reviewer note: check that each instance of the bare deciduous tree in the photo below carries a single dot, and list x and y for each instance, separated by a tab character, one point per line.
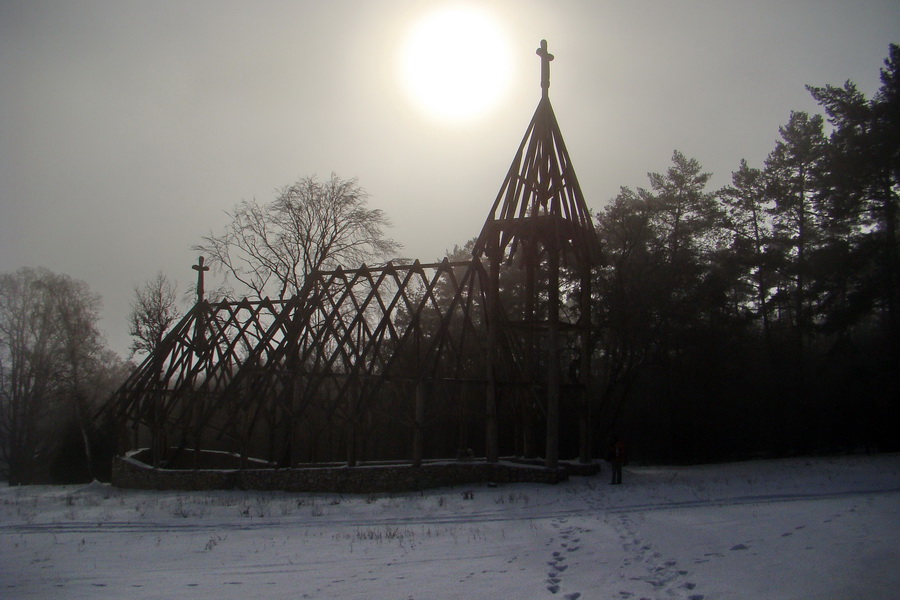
51	354
311	225
153	311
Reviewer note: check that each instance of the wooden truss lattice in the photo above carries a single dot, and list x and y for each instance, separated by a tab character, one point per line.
397	352
230	368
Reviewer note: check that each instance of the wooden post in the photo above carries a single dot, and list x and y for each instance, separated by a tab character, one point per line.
491	444
419	422
198	444
296	396
584	376
121	434
462	440
274	455
531	348
157	443
351	431
553	374
296	387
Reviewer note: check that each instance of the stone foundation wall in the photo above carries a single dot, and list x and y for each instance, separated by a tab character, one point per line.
131	473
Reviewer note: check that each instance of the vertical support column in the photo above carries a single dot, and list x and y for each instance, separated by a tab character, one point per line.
198	444
156	425
528	449
274	455
296	392
157	437
351	429
296	384
462	440
491	443
585	393
419	423
245	446
121	421
553	374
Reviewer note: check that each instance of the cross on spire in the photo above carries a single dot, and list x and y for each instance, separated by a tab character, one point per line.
200	268
546	57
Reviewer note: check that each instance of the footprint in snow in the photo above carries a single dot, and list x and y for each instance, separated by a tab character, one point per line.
740	547
573	596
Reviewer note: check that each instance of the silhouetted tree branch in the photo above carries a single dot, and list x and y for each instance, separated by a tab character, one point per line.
153	311
311	225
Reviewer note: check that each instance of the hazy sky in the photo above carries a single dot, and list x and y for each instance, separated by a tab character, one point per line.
127	128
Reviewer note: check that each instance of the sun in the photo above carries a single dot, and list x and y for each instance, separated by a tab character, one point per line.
455	63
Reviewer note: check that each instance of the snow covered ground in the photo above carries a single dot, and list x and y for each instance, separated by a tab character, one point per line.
825	528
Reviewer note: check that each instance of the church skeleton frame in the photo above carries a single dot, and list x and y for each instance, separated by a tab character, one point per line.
408	344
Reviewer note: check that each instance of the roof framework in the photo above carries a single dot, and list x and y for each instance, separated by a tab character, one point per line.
540	198
404	348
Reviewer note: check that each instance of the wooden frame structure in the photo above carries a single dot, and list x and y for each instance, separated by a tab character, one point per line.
399	351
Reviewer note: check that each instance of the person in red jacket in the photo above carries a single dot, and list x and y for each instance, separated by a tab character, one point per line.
616	459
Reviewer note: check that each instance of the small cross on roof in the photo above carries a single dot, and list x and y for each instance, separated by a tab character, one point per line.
200	268
546	57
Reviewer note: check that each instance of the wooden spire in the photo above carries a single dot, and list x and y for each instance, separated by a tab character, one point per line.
541	189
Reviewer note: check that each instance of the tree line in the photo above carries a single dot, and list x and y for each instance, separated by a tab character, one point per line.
760	317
